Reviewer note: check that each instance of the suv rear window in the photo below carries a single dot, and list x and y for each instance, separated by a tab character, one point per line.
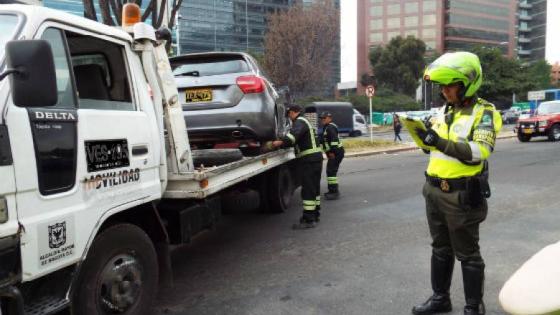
208	66
549	108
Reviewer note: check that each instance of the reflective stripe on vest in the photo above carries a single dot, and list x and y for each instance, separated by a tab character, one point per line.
328	145
314	147
445	166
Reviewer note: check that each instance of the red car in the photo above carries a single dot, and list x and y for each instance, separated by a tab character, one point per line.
545	122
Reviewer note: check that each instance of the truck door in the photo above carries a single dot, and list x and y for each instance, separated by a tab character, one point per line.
91	154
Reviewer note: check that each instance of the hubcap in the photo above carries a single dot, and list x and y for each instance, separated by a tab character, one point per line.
121	282
556	133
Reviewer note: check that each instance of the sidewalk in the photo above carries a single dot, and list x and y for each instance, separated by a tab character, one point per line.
409	146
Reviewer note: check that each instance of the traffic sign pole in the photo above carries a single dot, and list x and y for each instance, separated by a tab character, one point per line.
370	91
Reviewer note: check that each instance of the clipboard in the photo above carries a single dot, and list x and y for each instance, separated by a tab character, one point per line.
411	124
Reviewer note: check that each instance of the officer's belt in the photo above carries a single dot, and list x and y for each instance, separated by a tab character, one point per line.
447	185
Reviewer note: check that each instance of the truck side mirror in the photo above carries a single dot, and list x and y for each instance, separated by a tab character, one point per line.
30	64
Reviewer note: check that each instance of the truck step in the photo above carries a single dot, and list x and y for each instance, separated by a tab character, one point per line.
46	305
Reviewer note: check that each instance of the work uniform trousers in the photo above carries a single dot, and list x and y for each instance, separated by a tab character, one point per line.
332	168
453	225
310	184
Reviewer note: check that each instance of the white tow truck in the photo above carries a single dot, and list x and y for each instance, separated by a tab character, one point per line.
97	179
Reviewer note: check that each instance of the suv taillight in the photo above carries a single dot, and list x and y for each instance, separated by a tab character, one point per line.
250	84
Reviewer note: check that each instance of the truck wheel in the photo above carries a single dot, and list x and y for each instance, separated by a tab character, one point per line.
554	133
120	274
356	133
281	189
523	138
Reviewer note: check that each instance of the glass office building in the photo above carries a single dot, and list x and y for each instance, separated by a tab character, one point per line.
225	25
531	30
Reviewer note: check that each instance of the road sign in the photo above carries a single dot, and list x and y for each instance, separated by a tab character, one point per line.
370	91
536	95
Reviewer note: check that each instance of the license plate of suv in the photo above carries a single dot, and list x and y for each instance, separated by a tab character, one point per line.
527	130
198	95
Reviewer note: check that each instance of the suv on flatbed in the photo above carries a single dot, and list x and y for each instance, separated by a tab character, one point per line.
545	122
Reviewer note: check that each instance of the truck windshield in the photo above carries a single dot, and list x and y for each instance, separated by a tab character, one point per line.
549	108
8	24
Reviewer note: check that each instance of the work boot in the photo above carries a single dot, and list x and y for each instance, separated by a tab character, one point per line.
473	283
439	302
333	192
307	221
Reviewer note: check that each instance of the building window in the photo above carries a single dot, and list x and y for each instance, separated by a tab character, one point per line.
429	5
376	11
430	45
429	19
375	1
428	33
411	21
411	33
394	22
376	24
391	35
375	37
411	7
394	8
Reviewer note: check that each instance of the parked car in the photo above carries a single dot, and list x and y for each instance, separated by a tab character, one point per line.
510	116
545	122
227	98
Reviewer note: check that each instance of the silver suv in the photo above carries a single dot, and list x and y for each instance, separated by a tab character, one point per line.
227	98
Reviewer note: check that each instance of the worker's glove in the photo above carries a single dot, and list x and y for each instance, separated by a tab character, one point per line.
429	137
331	155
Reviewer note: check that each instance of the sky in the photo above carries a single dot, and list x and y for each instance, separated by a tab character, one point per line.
349	28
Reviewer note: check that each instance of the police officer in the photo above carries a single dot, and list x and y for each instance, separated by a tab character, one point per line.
302	136
332	146
461	139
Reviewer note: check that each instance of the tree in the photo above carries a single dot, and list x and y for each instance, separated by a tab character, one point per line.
399	64
111	11
300	45
502	76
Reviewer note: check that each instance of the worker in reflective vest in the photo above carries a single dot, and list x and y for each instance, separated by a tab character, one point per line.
461	140
302	137
332	146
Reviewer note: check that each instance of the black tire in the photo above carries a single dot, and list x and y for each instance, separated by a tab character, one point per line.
356	133
215	157
280	189
523	138
102	273
250	151
554	133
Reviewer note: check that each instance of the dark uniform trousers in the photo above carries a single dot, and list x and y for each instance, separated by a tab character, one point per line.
454	227
332	167
310	186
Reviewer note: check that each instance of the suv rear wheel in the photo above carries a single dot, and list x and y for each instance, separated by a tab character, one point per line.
554	133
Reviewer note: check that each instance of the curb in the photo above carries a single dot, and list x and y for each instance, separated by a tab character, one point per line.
397	150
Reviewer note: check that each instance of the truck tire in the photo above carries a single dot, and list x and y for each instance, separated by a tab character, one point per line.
237	201
356	133
554	133
523	138
215	157
120	274
280	189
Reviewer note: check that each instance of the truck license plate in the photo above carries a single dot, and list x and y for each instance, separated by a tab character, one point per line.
198	95
527	130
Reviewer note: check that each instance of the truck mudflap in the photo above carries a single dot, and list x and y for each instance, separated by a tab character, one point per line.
11	299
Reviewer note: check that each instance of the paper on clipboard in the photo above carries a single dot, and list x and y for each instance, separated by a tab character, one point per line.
411	124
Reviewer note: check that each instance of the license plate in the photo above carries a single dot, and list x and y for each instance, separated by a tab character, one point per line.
198	95
527	130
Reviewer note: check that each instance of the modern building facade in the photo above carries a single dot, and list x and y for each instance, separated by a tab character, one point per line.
444	25
531	40
225	25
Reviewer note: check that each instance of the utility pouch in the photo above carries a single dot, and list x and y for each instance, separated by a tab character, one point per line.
483	180
474	191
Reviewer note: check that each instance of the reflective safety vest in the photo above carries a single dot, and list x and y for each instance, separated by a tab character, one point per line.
311	144
477	126
335	141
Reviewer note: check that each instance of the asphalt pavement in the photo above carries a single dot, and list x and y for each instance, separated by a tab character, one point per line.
370	253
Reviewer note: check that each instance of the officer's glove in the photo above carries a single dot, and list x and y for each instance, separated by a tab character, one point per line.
429	137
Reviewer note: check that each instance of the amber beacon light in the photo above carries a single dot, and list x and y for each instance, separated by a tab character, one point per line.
130	15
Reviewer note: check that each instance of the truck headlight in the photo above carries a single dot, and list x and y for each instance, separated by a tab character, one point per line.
3	210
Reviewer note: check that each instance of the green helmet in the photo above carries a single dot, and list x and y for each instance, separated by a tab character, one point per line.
456	67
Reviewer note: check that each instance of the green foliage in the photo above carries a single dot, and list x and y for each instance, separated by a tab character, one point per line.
385	100
399	65
501	76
